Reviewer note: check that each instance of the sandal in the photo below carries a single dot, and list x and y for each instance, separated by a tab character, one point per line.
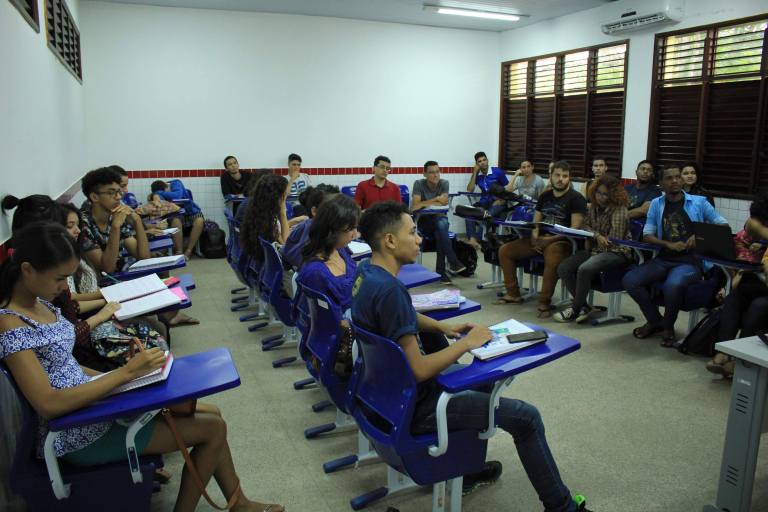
509	300
646	330
182	319
544	311
668	340
721	367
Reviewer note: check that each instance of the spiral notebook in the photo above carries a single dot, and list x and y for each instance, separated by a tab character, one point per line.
158	375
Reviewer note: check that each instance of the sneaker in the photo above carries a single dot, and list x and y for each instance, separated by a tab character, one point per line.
581	503
583	315
444	279
490	473
567	315
457	270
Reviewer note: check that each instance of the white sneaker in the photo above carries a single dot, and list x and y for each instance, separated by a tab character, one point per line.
567	315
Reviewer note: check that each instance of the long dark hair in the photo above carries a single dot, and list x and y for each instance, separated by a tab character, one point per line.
64	210
41	244
30	209
338	214
262	214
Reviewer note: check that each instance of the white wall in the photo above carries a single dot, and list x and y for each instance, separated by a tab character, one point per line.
182	88
583	29
41	113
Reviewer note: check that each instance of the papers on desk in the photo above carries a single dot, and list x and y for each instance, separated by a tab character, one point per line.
574	231
443	299
170	231
158	375
359	248
148	303
499	344
128	290
150	263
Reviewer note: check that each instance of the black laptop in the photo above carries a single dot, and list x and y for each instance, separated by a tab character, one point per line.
716	241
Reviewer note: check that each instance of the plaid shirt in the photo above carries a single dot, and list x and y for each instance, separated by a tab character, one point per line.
613	222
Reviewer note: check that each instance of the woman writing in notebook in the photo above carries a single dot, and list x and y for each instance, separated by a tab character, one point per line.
36	344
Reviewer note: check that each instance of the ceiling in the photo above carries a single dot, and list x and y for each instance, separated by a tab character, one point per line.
397	11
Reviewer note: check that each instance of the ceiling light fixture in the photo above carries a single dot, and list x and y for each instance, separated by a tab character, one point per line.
472	13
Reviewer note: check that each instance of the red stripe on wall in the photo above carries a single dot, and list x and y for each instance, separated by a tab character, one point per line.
312	171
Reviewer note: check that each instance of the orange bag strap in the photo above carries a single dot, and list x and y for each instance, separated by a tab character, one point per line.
193	470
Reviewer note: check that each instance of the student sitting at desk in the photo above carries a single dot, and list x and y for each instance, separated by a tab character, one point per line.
311	199
669	226
381	304
483	176
561	205
328	266
745	308
233	181
525	182
257	175
110	226
154	212
690	175
128	198
192	219
643	191
433	192
36	344
606	218
378	188
298	181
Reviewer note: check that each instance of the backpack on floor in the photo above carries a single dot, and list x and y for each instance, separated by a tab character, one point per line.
702	338
467	255
213	241
490	246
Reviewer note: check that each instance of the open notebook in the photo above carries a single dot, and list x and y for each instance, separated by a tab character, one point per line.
163	261
158	375
359	248
499	344
141	296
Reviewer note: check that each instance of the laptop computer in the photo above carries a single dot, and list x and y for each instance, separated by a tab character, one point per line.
716	241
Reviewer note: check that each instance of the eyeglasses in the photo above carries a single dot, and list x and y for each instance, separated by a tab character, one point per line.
111	192
601	194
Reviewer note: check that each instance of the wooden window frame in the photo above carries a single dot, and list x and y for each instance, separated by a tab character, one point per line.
69	51
23	6
706	81
560	92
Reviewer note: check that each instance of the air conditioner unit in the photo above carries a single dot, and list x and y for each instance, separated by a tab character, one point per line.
638	19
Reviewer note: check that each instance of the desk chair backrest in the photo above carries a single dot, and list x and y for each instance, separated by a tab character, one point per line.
323	343
349	190
636	229
303	324
523	212
405	195
91	487
271	284
382	398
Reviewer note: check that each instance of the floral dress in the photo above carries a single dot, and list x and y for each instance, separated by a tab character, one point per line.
52	344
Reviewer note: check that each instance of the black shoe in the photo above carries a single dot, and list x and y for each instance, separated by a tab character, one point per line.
490	473
457	270
444	279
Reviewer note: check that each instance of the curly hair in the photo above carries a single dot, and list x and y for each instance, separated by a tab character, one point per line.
263	214
617	196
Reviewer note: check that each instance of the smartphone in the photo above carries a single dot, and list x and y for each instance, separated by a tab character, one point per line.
527	336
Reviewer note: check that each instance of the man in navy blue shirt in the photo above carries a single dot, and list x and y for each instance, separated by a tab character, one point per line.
381	304
482	178
643	191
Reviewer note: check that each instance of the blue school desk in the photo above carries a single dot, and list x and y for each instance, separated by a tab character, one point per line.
468	306
727	265
413	275
128	275
192	376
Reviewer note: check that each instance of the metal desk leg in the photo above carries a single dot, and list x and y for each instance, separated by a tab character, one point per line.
130	442
60	489
742	438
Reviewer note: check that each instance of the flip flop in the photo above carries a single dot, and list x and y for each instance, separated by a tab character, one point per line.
544	312
505	300
646	330
182	319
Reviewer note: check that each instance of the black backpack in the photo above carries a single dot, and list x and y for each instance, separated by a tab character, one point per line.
702	338
213	241
466	255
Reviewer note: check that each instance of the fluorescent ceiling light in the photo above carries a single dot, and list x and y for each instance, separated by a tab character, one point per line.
472	13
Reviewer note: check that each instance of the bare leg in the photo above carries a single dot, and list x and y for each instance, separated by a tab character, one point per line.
178	237
194	235
207	433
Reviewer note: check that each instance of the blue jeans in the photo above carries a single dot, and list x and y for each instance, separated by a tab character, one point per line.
676	277
437	226
469	410
475	227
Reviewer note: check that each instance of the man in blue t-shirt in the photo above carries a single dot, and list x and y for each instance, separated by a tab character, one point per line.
381	304
643	191
482	178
